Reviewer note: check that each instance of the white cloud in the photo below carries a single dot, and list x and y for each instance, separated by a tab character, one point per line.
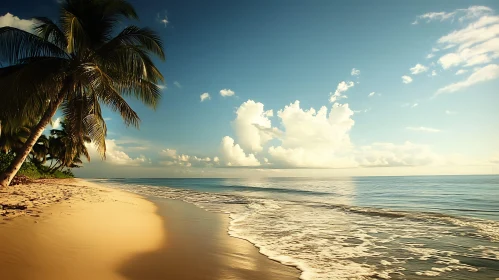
10	20
169	153
419	68
234	155
115	154
483	74
450	60
342	87
449	112
314	138
430	55
412	105
433	73
460	14
483	29
389	154
162	87
371	94
177	84
169	157
355	72
252	126
406	79
162	19
476	44
423	129
226	92
461	71
205	96
56	124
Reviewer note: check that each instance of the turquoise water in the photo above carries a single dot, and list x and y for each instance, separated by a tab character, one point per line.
419	227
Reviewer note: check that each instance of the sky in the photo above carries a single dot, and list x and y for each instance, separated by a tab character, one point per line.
309	88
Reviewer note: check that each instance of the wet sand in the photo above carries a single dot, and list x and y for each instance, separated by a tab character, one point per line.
197	246
71	229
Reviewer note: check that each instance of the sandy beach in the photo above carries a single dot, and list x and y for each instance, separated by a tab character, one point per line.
72	229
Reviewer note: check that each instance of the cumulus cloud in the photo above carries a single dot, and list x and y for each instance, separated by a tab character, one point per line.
423	129
433	73
489	72
461	71
460	14
205	96
234	155
430	55
310	138
226	92
406	79
418	69
342	87
115	154
252	126
10	20
355	72
169	157
313	138
389	154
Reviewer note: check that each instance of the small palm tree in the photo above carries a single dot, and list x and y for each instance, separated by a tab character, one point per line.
64	151
40	150
77	65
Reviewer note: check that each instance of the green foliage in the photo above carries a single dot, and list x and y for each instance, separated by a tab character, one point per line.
33	171
5	160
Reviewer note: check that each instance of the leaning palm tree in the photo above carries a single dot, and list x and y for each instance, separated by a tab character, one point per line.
77	65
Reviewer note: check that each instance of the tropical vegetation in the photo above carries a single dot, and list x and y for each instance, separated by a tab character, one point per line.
73	66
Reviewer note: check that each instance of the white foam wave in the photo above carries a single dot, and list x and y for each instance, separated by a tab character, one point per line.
336	242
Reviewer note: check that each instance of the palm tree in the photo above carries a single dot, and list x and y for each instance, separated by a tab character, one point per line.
64	151
40	151
77	65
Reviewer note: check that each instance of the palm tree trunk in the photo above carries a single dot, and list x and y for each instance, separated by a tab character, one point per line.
10	172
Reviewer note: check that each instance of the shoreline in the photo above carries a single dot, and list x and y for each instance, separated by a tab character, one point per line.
77	229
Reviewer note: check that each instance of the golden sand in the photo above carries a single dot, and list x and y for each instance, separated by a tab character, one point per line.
72	229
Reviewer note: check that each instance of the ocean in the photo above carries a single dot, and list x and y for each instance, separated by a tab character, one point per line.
415	227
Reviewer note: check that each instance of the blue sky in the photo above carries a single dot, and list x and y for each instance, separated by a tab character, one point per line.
273	53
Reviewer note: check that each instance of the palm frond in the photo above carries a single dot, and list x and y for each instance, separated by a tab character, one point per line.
103	87
28	87
16	45
49	31
144	38
119	8
74	32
